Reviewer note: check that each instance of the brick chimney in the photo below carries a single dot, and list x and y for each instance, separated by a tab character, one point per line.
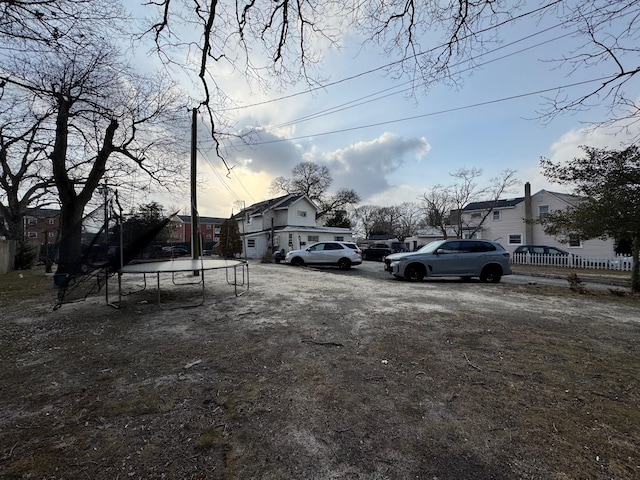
528	215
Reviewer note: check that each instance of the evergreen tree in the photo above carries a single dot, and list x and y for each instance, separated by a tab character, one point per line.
230	241
609	183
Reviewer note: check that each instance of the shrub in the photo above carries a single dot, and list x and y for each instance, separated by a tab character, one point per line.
26	255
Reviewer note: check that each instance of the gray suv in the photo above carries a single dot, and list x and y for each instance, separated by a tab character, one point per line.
452	258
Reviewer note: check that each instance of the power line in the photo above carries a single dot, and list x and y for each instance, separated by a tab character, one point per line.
353	104
376	97
217	175
440	112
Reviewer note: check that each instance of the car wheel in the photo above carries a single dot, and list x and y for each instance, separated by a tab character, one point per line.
344	264
297	262
491	273
413	273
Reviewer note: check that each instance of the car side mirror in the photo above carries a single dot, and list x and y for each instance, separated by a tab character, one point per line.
439	251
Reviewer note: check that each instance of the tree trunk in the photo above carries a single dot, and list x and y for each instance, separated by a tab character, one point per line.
70	247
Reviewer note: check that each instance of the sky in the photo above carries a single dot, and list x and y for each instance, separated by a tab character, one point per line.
392	148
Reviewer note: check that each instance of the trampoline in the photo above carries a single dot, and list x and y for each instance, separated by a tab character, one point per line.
236	274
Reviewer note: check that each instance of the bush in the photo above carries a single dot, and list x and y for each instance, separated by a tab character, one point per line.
25	255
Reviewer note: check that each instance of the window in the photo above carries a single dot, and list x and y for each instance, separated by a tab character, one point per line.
208	226
301	213
51	234
33	234
515	239
339	239
208	236
574	240
543	211
251	243
32	221
476	215
450	247
313	238
497	216
52	221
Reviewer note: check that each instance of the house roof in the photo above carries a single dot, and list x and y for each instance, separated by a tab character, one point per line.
214	220
42	212
565	197
510	202
285	201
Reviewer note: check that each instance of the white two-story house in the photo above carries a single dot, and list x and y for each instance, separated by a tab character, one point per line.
505	221
287	222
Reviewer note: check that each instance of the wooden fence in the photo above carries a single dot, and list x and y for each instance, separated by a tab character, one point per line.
7	255
618	262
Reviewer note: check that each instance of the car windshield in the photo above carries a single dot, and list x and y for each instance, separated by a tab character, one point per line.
431	247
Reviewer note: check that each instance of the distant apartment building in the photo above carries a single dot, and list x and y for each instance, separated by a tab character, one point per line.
41	225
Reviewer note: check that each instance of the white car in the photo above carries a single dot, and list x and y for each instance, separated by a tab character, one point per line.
342	254
452	258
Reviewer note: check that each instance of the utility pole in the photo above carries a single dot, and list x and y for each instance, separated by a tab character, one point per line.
195	234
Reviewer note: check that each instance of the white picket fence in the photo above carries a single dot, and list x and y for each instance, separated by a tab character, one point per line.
619	262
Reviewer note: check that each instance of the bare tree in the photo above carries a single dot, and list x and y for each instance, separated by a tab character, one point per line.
443	206
429	41
313	180
106	119
462	192
436	208
25	179
409	220
364	219
498	186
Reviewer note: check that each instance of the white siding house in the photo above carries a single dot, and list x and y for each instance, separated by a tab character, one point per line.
287	222
505	223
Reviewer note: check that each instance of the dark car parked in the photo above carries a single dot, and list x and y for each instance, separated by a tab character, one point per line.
540	250
376	251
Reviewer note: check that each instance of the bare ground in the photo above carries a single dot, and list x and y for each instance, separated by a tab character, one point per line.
321	374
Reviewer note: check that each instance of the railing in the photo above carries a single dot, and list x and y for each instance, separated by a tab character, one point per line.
618	262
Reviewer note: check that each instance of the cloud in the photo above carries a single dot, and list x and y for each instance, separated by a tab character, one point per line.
271	154
365	166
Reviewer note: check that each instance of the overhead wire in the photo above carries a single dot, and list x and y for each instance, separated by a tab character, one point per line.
376	96
440	112
217	175
353	104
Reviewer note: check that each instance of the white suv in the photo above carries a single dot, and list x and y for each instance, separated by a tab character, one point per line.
342	254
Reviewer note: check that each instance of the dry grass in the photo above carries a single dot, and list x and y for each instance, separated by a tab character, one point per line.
323	374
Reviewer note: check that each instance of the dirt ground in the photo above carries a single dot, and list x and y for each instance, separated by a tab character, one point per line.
320	374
